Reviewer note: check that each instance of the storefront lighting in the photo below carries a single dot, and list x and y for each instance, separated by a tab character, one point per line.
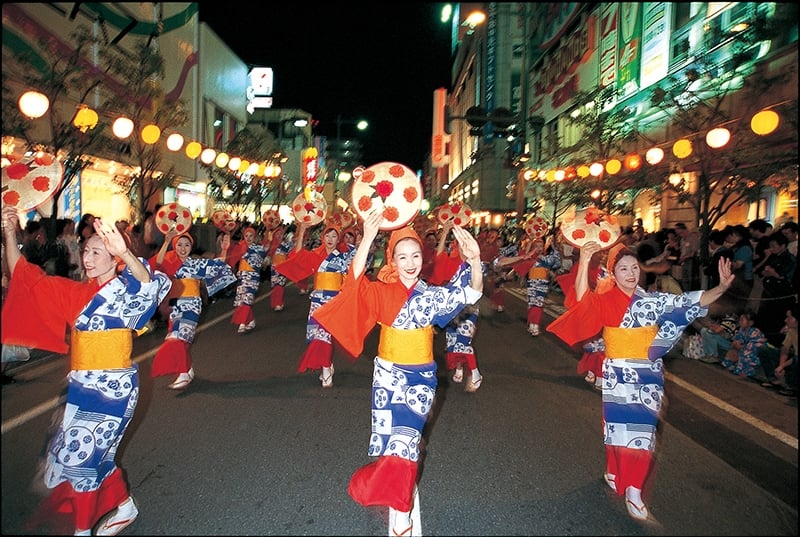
122	127
33	104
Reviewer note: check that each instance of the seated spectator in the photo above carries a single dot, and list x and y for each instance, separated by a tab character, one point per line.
717	338
780	364
742	358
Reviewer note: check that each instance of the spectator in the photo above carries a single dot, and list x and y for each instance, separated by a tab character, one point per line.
780	364
688	259
33	243
738	239
717	337
779	292
790	230
429	254
68	240
716	249
85	228
153	237
742	358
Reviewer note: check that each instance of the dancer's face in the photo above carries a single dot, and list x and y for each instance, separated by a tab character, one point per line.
408	260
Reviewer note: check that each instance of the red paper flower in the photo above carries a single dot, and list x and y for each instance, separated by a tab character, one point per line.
410	194
384	189
396	171
364	203
18	170
11	197
391	213
41	183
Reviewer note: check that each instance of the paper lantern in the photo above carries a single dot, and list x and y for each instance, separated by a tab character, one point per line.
596	169
208	155
716	138
174	141
654	155
613	166
193	149
122	127
85	118
222	160
583	171
151	134
233	164
33	104
682	148
765	122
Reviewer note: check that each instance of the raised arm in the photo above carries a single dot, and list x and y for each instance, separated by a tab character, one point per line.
359	263
472	254
726	278
10	226
582	276
300	238
116	245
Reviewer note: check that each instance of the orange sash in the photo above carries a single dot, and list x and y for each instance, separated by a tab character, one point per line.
630	343
408	347
106	349
328	281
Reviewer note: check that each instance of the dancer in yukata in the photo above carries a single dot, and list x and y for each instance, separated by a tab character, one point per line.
249	255
404	375
185	301
639	328
328	263
102	314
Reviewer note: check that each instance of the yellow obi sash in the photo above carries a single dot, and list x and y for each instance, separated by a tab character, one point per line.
631	343
184	287
245	266
408	347
107	349
328	281
278	258
537	273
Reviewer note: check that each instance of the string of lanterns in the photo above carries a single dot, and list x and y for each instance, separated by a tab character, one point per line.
34	105
763	123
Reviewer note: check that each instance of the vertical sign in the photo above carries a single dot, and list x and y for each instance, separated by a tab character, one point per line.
629	48
655	42
491	67
439	137
608	44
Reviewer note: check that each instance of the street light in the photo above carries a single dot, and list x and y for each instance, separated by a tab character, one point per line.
341	153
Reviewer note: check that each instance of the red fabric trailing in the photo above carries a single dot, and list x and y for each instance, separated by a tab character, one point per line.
172	358
592	361
535	315
66	510
453	359
629	466
243	314
389	481
318	354
276	297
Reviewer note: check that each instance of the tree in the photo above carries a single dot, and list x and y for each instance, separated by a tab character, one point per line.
145	104
60	74
238	189
709	96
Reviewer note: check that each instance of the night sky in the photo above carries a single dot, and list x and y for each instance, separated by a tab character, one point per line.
376	61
